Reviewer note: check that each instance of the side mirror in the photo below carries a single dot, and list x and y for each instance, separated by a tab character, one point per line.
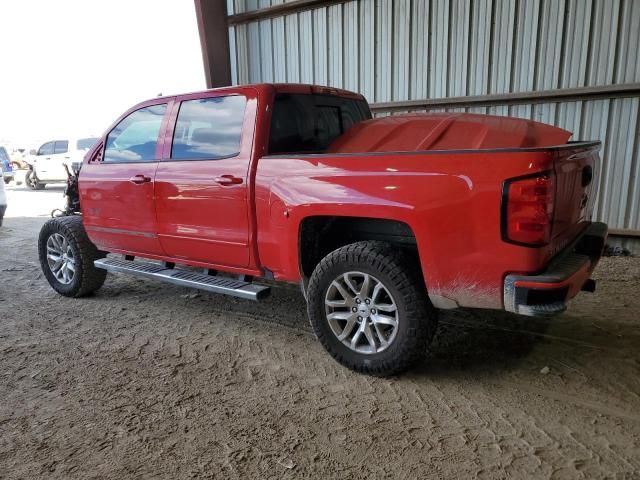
33	152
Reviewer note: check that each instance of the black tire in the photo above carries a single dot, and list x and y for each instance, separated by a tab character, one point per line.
417	318
87	278
7	181
31	180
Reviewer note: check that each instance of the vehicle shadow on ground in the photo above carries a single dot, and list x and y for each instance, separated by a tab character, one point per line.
466	342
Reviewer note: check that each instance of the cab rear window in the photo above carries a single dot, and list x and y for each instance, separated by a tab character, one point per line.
307	123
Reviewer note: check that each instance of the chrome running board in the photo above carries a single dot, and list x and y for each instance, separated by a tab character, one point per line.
186	278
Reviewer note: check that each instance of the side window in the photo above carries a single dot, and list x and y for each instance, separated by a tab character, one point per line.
209	128
61	147
134	139
46	149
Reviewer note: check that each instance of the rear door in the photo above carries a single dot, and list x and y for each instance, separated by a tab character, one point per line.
202	184
117	183
55	170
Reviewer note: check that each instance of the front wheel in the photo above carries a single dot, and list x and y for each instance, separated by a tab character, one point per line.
369	308
32	181
67	256
7	180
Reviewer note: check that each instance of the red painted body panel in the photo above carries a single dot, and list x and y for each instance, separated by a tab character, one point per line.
446	131
451	200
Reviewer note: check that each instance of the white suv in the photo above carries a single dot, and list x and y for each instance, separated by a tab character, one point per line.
51	157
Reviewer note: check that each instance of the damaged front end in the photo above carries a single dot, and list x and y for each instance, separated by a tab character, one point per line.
71	195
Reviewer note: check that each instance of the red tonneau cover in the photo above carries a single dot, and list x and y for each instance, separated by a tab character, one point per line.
446	131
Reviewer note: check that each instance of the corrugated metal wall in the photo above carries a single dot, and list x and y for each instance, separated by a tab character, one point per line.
394	50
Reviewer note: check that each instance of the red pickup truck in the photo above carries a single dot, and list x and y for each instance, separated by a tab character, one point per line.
382	221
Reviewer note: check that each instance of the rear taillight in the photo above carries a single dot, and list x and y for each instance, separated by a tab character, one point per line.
527	209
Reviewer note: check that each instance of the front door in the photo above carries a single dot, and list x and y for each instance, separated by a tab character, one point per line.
117	185
201	187
41	164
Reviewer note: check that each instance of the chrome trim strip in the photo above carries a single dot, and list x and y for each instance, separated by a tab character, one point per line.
93	228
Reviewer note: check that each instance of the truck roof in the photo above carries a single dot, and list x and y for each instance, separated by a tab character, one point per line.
301	88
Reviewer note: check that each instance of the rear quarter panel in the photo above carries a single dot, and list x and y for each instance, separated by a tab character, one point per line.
450	200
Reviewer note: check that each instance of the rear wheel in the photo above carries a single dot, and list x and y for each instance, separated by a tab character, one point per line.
7	180
369	308
67	256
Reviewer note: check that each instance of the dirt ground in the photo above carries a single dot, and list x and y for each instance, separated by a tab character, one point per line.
146	380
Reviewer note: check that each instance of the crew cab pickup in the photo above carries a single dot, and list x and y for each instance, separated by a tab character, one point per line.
382	221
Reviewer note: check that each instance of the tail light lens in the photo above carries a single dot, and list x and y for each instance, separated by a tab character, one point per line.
527	209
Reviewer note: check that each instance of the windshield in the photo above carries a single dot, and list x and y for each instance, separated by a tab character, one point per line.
86	143
309	123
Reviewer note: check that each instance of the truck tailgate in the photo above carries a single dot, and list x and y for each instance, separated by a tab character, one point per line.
576	169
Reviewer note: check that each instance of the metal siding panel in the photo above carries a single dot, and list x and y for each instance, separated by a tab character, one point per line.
335	46
293	48
633	202
351	50
569	116
549	45
628	68
438	53
233	53
320	47
384	11
618	153
306	47
366	51
401	49
254	52
502	48
279	50
520	111
525	43
266	51
458	47
480	48
241	49
419	77
603	42
576	48
594	127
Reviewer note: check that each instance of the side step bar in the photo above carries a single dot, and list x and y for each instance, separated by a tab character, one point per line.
186	278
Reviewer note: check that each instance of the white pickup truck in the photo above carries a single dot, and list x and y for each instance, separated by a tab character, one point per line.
50	159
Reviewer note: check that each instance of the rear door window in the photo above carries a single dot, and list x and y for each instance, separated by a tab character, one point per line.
61	146
135	138
308	123
209	128
86	143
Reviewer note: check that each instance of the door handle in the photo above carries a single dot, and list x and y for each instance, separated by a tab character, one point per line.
228	180
140	179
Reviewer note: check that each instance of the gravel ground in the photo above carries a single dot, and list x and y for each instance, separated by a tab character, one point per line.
147	380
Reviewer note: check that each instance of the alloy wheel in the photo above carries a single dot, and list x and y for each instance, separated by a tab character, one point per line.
361	312
60	258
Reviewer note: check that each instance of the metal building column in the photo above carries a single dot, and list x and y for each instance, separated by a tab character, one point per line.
214	41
